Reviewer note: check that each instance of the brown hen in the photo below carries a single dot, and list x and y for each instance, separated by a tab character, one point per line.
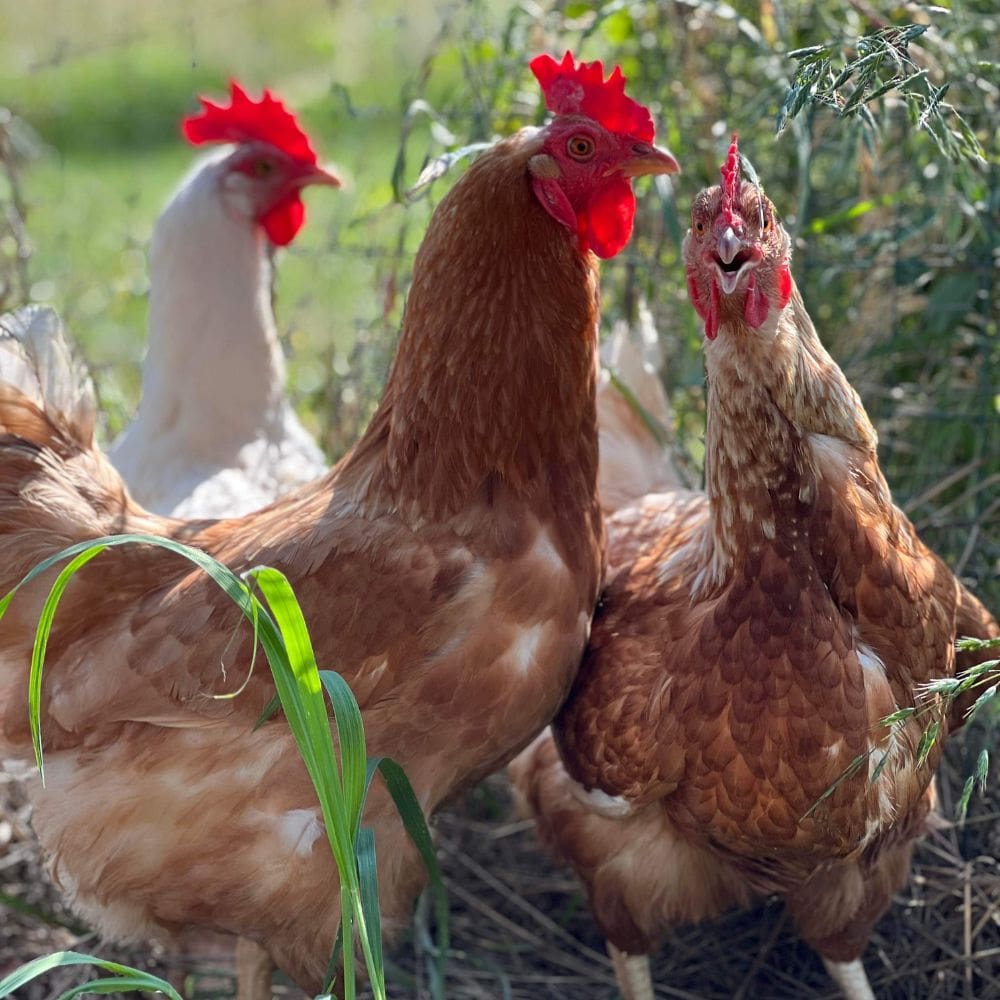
749	642
447	567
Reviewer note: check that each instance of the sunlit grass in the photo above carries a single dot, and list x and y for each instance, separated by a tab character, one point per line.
340	769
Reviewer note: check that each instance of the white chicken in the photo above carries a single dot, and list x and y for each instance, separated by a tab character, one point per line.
633	458
215	435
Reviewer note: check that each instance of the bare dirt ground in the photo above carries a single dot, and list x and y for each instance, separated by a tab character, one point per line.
520	928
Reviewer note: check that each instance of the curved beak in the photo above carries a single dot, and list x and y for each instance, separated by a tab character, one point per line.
729	245
317	174
648	160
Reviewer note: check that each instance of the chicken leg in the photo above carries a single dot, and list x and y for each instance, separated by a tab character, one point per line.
632	972
851	978
254	967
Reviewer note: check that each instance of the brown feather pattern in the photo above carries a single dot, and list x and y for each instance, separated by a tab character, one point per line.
447	568
746	646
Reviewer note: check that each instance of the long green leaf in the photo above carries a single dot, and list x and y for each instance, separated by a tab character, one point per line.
368	879
42	633
408	807
131	979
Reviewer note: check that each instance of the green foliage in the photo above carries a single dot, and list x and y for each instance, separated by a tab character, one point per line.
934	703
123	979
873	66
882	180
339	768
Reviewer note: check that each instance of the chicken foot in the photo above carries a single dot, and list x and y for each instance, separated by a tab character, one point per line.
851	978
633	974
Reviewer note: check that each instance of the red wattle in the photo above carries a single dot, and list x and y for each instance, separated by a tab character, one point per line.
605	225
784	285
695	295
283	221
756	305
712	319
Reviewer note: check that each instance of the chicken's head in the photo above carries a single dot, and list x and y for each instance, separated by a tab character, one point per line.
273	160
597	142
736	253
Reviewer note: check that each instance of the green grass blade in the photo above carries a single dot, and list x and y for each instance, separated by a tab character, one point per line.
82	553
42	633
962	809
415	823
300	689
659	432
368	879
113	984
351	739
128	978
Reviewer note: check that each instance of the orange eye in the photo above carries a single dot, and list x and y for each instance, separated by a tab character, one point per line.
699	228
580	147
767	223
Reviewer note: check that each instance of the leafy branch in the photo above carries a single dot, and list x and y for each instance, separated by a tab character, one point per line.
933	701
848	78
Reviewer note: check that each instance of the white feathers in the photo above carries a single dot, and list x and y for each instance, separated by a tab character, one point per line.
214	435
609	806
35	358
298	830
632	461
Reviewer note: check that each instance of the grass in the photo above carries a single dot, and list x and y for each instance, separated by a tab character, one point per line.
341	776
105	93
894	265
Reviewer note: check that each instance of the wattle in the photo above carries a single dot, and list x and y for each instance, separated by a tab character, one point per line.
605	224
756	306
284	220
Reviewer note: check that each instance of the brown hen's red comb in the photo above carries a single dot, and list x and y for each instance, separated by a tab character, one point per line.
731	180
572	89
247	120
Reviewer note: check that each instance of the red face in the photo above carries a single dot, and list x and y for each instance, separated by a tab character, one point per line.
736	258
583	178
270	181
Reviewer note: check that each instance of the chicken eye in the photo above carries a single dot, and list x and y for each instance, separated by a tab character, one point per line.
580	147
263	168
699	228
767	224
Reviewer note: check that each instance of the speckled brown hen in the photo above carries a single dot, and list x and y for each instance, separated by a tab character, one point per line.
748	643
448	568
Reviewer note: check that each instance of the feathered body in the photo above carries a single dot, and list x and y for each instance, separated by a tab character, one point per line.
215	435
448	568
747	645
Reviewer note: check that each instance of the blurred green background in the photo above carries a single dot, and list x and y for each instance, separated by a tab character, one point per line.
894	213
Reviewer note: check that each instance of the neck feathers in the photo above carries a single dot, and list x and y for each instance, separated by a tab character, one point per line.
782	415
213	350
493	386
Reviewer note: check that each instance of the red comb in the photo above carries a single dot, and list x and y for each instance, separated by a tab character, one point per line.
572	89
246	120
731	180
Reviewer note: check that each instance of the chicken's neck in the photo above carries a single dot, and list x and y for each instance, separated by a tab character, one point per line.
493	388
213	358
781	417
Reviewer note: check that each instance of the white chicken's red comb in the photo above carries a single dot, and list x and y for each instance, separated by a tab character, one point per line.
580	89
247	120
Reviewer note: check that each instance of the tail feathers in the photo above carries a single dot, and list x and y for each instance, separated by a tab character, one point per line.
634	355
45	392
634	419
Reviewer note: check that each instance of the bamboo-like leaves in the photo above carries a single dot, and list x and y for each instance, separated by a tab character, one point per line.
872	67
